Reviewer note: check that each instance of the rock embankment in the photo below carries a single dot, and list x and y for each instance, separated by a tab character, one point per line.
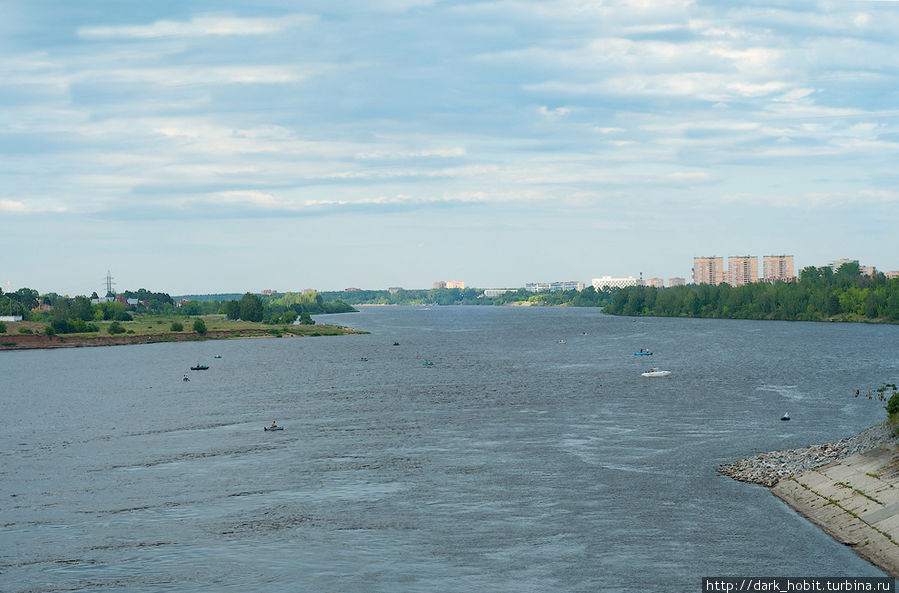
769	468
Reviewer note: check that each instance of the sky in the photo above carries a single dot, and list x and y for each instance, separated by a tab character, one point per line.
197	147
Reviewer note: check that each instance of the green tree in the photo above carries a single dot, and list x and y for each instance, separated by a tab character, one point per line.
199	326
306	319
115	328
251	307
176	326
81	308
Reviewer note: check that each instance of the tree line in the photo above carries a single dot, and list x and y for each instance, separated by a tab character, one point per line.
78	314
821	294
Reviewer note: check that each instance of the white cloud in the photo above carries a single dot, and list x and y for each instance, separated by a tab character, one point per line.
19	207
198	26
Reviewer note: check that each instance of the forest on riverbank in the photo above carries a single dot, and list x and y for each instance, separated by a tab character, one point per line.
820	294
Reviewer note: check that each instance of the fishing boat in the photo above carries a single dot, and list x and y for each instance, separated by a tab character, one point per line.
199	367
643	352
272	428
654	372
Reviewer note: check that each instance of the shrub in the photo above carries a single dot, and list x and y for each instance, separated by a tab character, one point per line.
2	328
49	331
199	326
115	328
177	326
25	330
893	407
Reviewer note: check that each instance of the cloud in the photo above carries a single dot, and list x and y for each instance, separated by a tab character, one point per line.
19	207
199	26
554	113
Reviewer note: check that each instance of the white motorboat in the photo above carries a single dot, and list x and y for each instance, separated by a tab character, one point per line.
654	372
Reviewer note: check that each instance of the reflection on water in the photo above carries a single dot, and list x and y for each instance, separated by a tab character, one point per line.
515	462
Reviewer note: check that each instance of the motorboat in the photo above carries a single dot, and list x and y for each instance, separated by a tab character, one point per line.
273	428
643	352
654	372
200	367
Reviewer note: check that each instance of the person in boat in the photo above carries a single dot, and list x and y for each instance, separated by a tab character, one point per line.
186	378
273	424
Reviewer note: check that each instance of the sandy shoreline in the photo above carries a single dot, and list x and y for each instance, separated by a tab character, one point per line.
849	488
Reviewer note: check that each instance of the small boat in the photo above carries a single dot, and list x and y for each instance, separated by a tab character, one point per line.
272	428
427	363
654	372
396	343
218	355
200	367
643	352
785	417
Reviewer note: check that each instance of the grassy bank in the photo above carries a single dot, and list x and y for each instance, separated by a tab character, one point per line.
27	335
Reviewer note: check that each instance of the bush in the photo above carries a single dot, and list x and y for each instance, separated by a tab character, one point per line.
199	326
115	328
2	328
893	407
177	326
25	330
49	331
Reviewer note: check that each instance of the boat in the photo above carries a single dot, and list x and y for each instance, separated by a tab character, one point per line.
427	363
643	352
272	428
785	417
218	355
654	372
199	367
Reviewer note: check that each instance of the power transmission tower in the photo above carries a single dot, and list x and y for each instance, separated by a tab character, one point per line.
109	284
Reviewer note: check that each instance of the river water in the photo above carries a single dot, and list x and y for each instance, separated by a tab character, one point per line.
531	456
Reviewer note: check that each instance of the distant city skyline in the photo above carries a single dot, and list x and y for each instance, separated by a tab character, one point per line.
222	148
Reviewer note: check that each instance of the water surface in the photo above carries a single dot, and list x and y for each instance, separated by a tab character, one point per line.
532	456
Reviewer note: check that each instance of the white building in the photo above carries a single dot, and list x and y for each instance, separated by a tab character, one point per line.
610	282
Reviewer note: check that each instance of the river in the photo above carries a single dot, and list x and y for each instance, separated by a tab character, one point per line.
531	456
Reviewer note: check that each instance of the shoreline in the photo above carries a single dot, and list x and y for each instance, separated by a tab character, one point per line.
45	342
849	488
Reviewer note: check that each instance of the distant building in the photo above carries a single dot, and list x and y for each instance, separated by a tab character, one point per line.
268	292
554	286
656	282
777	268
440	284
394	289
677	282
351	289
867	270
742	269
455	284
10	318
708	270
610	282
495	292
837	263
892	274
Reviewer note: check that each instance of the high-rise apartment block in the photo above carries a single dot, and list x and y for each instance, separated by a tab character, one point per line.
708	270
742	269
677	282
656	282
777	267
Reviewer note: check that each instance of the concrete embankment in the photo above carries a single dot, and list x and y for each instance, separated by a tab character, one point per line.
849	488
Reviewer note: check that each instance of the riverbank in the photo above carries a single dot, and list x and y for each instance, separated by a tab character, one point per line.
849	488
41	341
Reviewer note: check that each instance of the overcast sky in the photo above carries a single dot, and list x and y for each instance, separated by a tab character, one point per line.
218	146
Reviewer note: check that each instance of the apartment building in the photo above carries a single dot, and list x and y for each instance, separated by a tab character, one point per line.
708	270
677	281
742	269
777	267
656	282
